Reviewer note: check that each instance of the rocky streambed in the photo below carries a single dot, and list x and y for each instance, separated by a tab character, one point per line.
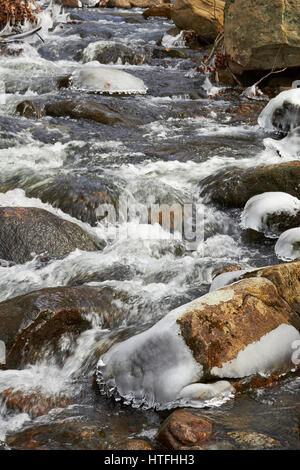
78	298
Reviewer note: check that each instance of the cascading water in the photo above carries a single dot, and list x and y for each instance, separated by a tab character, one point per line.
174	136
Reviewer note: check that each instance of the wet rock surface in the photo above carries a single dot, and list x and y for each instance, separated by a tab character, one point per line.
88	110
184	428
234	187
57	237
205	17
249	47
38	320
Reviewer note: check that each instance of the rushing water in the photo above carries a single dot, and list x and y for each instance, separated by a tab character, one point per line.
178	136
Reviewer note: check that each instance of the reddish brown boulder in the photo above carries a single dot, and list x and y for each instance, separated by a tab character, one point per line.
184	428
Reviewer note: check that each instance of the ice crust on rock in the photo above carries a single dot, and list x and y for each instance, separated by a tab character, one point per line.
265	119
262	357
260	207
107	80
287	247
156	368
153	368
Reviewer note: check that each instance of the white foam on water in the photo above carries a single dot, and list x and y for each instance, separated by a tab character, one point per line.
258	209
210	89
169	41
287	247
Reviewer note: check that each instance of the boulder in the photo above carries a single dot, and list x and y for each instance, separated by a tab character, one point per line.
163	11
32	325
79	196
84	110
230	333
262	35
184	428
32	320
234	187
203	16
29	231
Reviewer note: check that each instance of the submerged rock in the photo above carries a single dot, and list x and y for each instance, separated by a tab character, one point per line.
64	435
234	187
34	402
84	110
29	231
262	35
184	428
134	444
239	330
253	440
203	16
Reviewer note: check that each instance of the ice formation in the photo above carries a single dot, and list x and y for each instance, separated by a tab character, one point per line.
107	80
292	97
157	369
154	368
259	208
287	247
262	357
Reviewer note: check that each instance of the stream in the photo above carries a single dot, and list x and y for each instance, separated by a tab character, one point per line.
180	132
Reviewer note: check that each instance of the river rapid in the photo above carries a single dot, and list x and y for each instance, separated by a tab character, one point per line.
182	131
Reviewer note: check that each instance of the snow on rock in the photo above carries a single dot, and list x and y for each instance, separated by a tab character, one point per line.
107	80
259	208
282	113
263	356
231	332
287	247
